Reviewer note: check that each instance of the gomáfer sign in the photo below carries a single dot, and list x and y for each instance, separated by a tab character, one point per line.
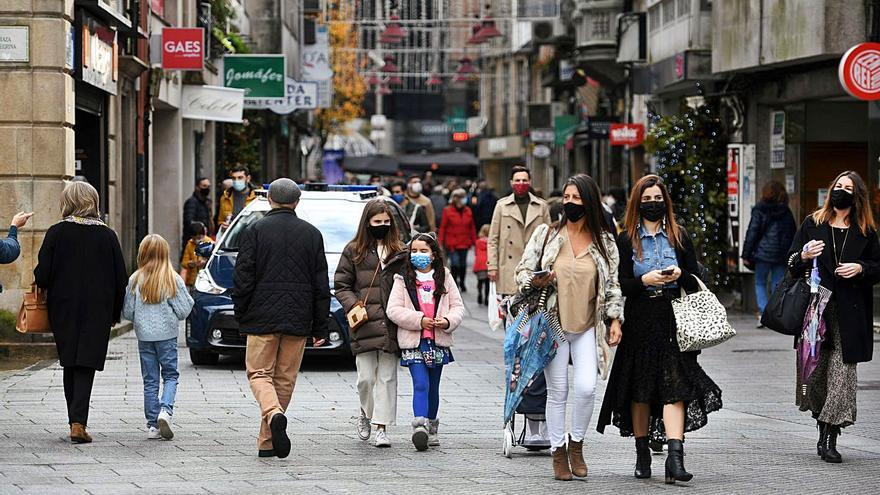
260	76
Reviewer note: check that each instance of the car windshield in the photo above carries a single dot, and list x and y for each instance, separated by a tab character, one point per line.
337	220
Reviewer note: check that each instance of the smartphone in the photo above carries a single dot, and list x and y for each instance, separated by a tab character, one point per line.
667	272
542	273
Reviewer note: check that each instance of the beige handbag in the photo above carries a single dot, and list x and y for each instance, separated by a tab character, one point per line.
33	316
357	315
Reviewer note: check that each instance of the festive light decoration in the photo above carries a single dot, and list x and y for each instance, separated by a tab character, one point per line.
475	38
488	31
393	29
384	90
690	153
373	80
434	80
466	67
396	80
389	66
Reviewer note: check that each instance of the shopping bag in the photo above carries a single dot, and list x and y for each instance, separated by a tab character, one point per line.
496	317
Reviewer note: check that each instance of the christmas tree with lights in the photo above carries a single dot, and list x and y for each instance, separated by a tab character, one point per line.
690	152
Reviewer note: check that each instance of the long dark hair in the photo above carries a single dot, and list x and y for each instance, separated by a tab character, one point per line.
595	222
859	214
634	216
774	192
364	243
438	265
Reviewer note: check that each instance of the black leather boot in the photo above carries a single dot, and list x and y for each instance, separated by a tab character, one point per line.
643	458
830	453
822	435
675	463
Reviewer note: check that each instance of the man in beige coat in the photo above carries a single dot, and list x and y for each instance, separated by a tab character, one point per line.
515	219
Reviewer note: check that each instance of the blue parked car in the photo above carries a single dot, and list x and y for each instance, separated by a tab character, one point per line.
211	329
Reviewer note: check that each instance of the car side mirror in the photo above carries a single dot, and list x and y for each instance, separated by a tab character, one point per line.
204	249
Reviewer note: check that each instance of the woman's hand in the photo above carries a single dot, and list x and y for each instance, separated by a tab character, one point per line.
848	270
655	278
812	249
615	334
441	323
543	281
676	274
427	323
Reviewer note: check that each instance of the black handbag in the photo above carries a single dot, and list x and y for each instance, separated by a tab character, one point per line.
787	306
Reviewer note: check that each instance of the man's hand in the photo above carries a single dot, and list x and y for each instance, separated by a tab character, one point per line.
21	218
493	275
615	334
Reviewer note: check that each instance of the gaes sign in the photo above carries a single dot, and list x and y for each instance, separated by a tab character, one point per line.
627	134
183	48
260	76
859	71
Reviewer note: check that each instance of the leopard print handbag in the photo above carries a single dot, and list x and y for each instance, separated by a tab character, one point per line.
701	320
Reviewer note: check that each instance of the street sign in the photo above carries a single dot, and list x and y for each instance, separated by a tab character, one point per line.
777	139
859	71
541	151
627	134
14	44
300	96
260	76
183	48
541	135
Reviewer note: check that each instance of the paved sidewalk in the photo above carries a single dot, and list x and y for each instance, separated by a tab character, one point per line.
759	442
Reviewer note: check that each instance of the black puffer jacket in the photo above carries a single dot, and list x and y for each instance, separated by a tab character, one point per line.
770	233
281	281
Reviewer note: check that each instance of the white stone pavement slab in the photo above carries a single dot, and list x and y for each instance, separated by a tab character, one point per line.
759	442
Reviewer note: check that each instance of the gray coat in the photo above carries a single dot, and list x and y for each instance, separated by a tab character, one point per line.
160	321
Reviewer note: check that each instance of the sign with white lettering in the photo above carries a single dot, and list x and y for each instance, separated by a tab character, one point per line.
97	61
300	96
627	134
777	139
14	44
183	48
260	76
316	67
212	103
859	71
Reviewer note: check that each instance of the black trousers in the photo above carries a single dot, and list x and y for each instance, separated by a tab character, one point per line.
78	383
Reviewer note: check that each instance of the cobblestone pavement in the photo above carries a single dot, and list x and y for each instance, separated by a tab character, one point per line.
758	443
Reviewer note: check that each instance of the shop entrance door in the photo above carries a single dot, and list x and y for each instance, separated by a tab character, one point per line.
823	162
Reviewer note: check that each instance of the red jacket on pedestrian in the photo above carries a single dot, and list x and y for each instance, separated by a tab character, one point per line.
457	229
481	257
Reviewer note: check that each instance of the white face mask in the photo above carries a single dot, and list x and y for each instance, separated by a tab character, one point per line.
416	188
609	200
238	185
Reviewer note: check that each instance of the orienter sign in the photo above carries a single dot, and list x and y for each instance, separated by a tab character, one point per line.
859	71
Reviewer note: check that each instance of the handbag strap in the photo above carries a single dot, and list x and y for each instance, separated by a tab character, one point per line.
699	283
543	247
370	288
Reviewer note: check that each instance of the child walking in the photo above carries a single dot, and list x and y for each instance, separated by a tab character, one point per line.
191	263
481	267
426	306
155	301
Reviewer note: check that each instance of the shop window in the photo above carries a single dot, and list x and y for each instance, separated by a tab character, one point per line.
668	11
601	29
684	8
654	18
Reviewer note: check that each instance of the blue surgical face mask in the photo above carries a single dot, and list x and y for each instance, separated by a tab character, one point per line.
420	260
239	185
398	198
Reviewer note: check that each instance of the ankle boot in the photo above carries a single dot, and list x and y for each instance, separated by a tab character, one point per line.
823	433
576	458
675	463
643	458
78	433
561	468
830	453
420	433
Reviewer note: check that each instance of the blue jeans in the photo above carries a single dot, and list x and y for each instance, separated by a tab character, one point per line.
426	390
763	271
156	356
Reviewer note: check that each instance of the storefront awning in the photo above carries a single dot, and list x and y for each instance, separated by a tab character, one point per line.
375	164
453	162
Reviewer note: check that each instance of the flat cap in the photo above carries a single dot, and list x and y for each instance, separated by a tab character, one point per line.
284	191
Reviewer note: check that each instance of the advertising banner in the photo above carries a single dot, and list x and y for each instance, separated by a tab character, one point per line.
300	96
260	76
316	67
627	134
183	48
212	103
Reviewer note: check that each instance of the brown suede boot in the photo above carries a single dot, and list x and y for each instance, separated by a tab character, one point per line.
78	433
576	458
561	469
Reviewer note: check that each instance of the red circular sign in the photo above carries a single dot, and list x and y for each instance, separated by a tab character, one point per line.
859	71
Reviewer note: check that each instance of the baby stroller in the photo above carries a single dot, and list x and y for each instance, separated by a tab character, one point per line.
534	402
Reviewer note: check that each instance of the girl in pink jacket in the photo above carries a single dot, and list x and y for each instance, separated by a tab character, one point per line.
426	306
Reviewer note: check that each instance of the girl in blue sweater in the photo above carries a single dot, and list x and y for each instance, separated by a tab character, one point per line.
155	301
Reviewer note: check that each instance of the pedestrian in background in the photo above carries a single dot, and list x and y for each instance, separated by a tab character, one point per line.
414	195
192	263
580	259
426	306
156	300
416	213
10	249
480	268
359	281
82	268
768	239
842	234
281	297
438	201
485	204
197	208
655	391
236	197
457	235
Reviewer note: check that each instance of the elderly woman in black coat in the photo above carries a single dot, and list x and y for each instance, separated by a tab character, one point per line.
81	266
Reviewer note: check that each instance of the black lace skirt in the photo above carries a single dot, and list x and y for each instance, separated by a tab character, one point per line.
649	368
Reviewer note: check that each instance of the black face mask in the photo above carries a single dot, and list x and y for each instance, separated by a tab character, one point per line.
653	211
841	199
204	192
574	212
379	231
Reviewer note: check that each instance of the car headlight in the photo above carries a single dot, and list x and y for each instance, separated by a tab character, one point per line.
205	284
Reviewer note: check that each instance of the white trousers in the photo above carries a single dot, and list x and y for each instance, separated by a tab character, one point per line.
377	385
581	347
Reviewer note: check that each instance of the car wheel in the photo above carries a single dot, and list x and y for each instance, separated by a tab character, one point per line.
206	358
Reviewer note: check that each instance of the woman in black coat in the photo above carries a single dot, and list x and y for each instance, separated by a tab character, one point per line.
81	266
843	236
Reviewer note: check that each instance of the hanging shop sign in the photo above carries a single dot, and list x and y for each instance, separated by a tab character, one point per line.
564	127
300	96
627	134
542	135
315	65
859	71
777	139
260	76
183	48
212	103
541	151
741	197
158	6
14	44
98	54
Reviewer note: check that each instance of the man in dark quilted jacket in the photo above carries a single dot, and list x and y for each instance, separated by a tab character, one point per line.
282	298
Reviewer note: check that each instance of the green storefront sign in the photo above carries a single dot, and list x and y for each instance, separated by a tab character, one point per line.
564	127
260	76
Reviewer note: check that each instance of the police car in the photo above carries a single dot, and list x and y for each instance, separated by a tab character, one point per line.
212	330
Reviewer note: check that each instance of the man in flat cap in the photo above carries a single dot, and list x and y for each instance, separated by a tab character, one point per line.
282	298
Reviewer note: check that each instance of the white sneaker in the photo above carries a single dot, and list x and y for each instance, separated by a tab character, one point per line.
364	428
382	439
153	433
165	425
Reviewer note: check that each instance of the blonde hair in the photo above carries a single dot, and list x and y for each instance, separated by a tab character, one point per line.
155	276
484	231
79	199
